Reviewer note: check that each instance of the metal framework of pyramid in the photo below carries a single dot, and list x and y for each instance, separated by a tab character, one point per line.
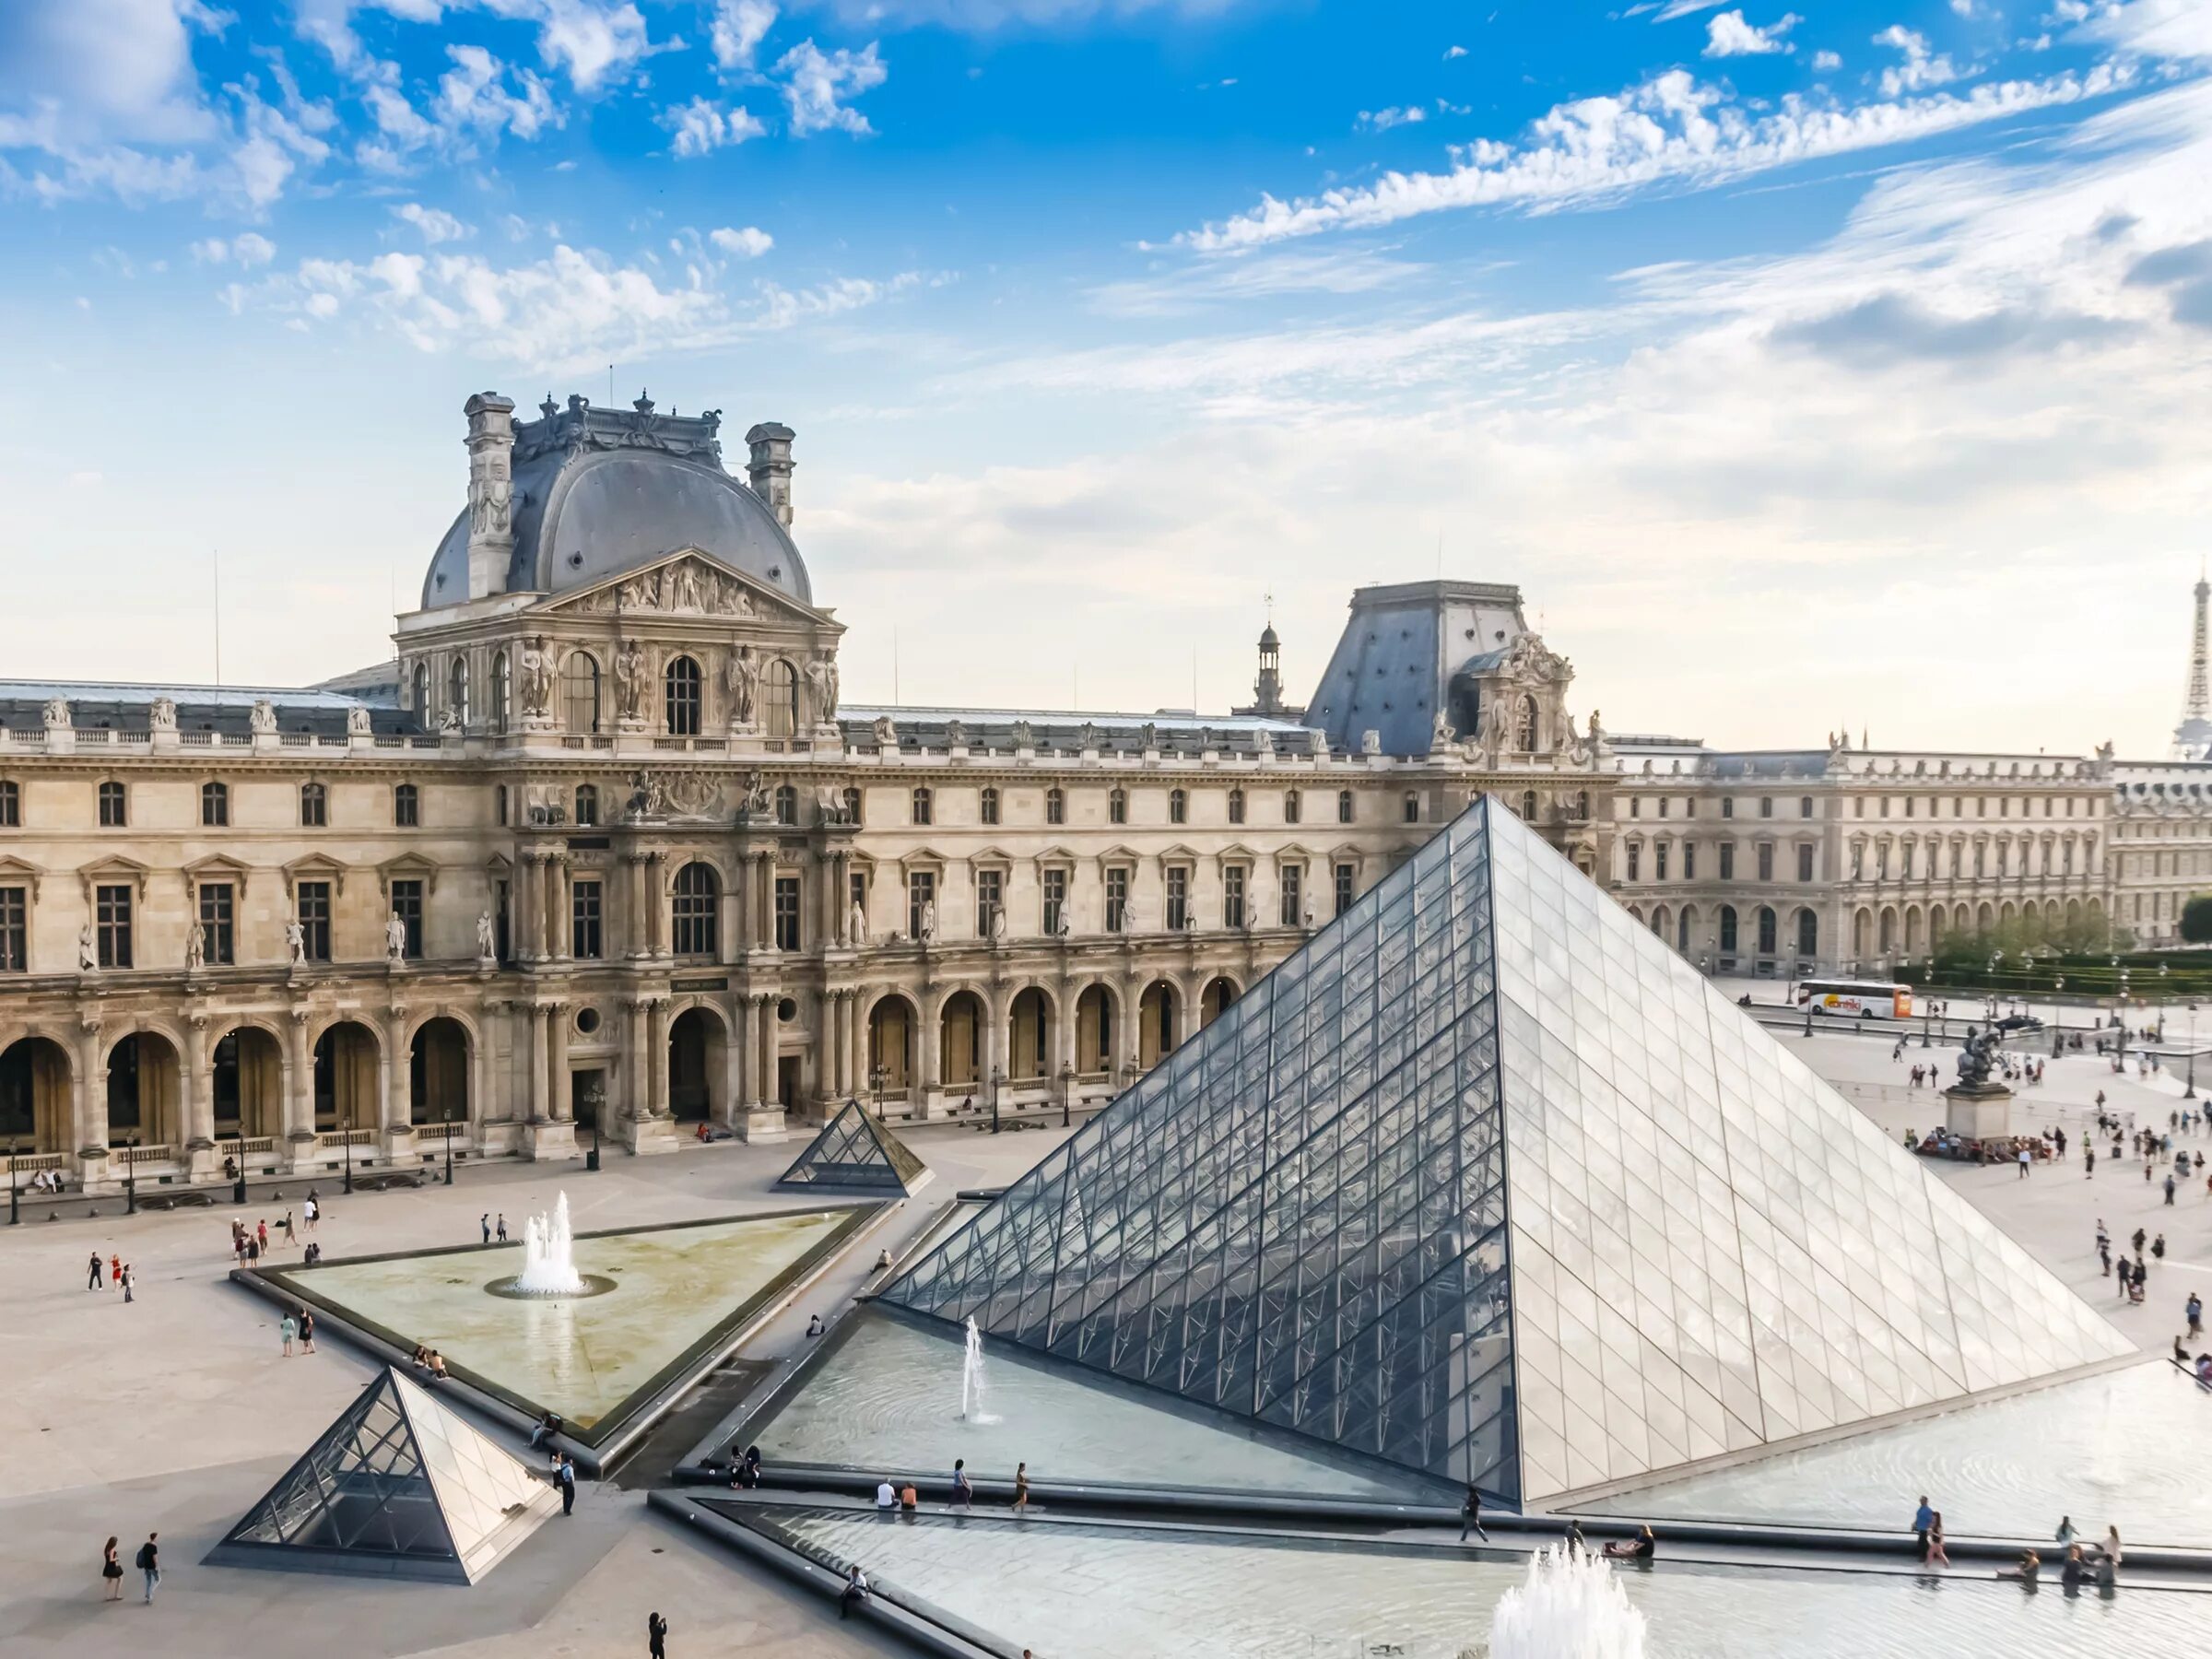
1488	1183
854	1150
397	1486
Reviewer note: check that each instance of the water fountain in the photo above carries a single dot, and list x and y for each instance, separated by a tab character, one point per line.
549	1255
971	1379
1570	1604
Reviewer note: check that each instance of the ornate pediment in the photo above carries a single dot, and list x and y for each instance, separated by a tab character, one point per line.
14	872
688	584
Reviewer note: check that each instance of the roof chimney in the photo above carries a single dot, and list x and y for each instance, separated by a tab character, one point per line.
769	467
490	492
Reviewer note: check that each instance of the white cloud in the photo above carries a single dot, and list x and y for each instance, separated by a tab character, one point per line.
76	76
1826	63
249	250
818	83
1729	36
982	16
591	41
1921	68
1683	8
435	224
740	27
1454	51
479	94
1669	129
746	243
699	128
1381	121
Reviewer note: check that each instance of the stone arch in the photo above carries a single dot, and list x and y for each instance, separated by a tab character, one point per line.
441	1062
1862	932
699	1065
1214	1001
779	699
893	1021
1886	930
1807	936
962	1025
38	1094
1914	942
347	1059
144	1098
1686	927
1032	1019
1098	1014
1985	916
1158	1011
246	1081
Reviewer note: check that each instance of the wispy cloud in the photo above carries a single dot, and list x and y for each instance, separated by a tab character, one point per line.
819	85
699	128
1729	36
1381	121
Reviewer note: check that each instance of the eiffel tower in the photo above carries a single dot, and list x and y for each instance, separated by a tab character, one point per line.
2193	737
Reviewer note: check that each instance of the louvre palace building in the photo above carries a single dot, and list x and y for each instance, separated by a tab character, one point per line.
602	850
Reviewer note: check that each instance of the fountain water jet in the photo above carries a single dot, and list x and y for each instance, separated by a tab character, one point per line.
971	1379
549	1255
1570	1604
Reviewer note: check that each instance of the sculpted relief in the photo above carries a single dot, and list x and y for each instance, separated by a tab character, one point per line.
683	586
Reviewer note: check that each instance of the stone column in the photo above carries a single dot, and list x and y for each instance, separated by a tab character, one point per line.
537	1064
635	941
89	1109
928	1083
560	1107
639	1084
839	1013
557	907
197	1076
399	1116
299	1092
1130	1038
656	906
656	1056
997	1010
764	900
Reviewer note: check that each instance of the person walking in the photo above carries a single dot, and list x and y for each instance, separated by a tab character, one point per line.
312	1211
1470	1515
129	1281
656	1637
291	1238
2194	1309
483	1221
2023	1161
502	1229
260	1234
1021	1489
2088	1161
115	1269
149	1564
289	1331
110	1572
307	1331
2169	1189
568	1485
2140	1236
92	1276
1923	1518
1935	1556
963	1489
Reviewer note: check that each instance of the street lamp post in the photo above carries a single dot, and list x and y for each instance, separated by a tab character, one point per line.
877	1075
238	1181
346	1135
1067	1093
449	1144
130	1176
15	1150
998	1077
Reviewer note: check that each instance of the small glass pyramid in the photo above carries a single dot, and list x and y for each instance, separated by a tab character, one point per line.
398	1485
857	1151
1488	1183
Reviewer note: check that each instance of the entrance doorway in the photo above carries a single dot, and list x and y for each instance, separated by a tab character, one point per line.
590	1096
788	1079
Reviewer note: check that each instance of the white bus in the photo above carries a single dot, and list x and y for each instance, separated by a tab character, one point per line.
1868	999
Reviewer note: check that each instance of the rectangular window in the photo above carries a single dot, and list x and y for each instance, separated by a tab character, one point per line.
1766	862
1689	861
112	908
1413	807
1662	806
587	921
1117	900
313	915
113	814
1728	806
787	912
1055	902
858	895
1727	860
406	904
15	931
990	893
1345	880
1766	805
11	804
1635	807
1805	863
1294	908
921	895
1178	897
219	928
1232	896
1659	862
1635	864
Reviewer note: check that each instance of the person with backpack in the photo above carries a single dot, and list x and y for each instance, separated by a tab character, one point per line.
656	1637
149	1564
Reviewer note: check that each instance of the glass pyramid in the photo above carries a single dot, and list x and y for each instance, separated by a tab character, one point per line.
855	1150
1488	1183
397	1485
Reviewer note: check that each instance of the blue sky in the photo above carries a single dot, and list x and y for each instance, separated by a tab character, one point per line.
1804	363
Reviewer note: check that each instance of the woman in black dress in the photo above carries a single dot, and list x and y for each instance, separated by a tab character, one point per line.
111	1571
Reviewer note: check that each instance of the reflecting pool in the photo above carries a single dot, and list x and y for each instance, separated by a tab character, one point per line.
889	1397
1096	1592
2128	1449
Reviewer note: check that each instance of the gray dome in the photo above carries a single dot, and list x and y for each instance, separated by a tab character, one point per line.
592	501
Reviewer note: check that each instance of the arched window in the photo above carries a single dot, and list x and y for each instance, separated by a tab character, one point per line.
1528	806
1344	805
422	694
1291	807
680	697
1766	930
787	804
852	805
1808	934
1117	806
406	806
215	805
921	805
1236	806
579	693
502	692
698	891
314	806
1524	729
587	803
1805	807
456	689
1055	805
1179	807
779	699
1727	930
990	806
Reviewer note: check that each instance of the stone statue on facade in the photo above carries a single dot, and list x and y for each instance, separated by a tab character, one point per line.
195	947
741	678
629	679
295	942
162	716
1087	737
821	681
1439	733
1318	743
856	925
1977	1058
536	676
887	732
956	733
487	938
929	920
648	795
998	924
1148	735
1371	742
357	721
830	804
683	583
87	954
263	720
395	939
1496	736
1019	734
57	713
449	723
756	802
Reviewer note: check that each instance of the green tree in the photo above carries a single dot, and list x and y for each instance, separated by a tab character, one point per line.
2196	919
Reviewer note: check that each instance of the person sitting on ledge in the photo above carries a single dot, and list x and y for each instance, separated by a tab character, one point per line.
437	1366
2074	1569
420	1358
547	1427
1641	1548
2031	1564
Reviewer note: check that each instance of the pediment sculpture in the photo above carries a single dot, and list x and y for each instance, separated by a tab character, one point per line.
682	586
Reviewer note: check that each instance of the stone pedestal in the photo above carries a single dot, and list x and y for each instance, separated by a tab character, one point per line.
760	1124
649	1135
549	1139
1979	1113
